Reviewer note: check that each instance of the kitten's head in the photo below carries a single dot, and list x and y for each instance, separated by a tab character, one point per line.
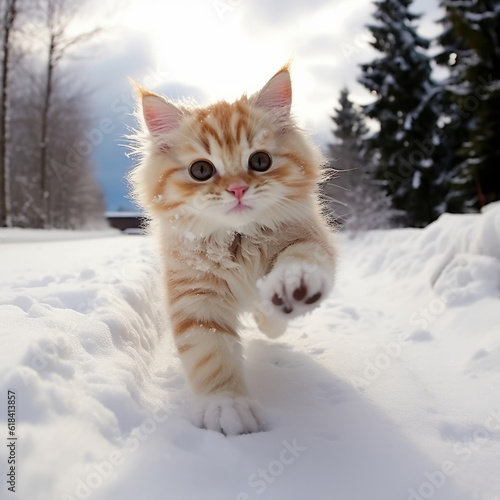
227	165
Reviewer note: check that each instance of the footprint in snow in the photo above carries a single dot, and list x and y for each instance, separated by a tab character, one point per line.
330	393
420	336
87	274
316	351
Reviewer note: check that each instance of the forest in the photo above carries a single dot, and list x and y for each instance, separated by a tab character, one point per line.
425	145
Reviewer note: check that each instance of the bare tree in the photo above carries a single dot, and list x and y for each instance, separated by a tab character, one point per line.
76	200
25	144
49	120
59	14
9	17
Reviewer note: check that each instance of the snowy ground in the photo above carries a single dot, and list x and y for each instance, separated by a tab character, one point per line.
389	391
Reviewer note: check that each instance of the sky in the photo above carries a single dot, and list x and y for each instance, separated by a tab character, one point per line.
219	49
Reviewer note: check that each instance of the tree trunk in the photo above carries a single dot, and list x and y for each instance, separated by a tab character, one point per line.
44	177
5	216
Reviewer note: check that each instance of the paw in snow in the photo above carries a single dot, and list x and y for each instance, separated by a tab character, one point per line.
294	288
228	415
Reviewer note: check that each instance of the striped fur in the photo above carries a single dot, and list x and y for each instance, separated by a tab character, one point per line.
213	258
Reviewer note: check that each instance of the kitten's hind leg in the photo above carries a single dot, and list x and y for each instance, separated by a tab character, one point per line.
228	415
211	353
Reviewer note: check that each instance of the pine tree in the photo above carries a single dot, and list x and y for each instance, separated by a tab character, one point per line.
455	123
350	126
406	109
471	51
356	197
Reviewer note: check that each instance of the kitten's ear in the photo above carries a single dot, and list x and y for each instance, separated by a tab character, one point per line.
277	94
160	116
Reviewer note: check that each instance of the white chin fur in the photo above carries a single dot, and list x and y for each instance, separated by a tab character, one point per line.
209	220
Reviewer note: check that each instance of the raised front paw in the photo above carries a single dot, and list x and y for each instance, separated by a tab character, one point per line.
294	288
229	415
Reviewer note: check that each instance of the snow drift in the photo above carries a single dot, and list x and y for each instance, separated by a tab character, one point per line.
389	391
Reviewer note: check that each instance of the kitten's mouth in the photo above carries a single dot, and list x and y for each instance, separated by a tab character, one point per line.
240	207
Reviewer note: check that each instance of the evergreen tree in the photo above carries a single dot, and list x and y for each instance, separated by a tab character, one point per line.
356	197
455	123
406	108
350	126
471	51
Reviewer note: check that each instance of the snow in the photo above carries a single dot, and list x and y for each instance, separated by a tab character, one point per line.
124	214
478	17
388	391
16	234
416	180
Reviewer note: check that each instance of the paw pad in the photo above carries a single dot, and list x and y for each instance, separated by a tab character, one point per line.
295	290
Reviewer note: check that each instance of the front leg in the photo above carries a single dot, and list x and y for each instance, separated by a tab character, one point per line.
205	332
302	276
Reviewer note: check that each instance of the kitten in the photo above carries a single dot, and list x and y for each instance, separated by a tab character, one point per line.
231	192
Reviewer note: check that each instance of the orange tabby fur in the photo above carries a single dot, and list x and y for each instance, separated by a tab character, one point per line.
218	261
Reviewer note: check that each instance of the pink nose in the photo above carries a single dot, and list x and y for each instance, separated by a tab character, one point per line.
238	191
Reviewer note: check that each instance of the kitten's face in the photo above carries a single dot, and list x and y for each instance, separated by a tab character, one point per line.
228	165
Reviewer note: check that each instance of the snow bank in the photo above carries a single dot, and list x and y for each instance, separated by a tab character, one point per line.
388	391
78	340
16	234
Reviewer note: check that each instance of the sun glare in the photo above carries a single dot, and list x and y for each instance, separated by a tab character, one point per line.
203	46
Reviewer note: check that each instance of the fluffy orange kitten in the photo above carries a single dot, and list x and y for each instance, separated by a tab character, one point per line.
231	190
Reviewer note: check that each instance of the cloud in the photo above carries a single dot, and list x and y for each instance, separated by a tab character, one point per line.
279	13
127	54
180	91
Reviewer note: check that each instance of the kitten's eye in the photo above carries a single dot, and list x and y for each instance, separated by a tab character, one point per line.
260	161
201	170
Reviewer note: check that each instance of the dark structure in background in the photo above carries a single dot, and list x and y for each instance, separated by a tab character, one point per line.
130	222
